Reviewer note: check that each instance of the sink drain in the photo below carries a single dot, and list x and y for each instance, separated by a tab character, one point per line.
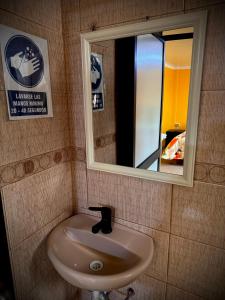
96	265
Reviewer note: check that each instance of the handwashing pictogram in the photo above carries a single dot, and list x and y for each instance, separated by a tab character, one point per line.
24	61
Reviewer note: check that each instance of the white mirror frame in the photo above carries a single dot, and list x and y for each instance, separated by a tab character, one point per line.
197	20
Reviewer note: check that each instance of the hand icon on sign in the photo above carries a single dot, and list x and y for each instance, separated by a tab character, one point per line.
24	60
16	60
95	75
24	66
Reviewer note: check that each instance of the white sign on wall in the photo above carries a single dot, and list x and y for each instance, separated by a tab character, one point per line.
26	74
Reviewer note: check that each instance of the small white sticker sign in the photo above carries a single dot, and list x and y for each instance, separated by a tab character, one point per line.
26	74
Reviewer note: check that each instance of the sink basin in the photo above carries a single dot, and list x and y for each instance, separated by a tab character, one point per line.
98	262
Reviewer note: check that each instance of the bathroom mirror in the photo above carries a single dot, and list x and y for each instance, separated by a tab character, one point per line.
142	89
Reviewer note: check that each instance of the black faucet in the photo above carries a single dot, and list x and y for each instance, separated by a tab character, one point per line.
105	225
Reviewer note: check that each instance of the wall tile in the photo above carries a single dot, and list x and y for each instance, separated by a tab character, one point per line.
211	128
116	295
80	183
56	61
93	191
83	295
201	172
78	154
210	173
213	69
74	85
158	266
217	174
8	5
190	4
197	268
97	13
78	129
77	125
35	277
135	200
198	213
26	138
131	10
173	293
144	202
106	154
146	288
70	16
54	288
74	65
18	170
36	11
35	201
111	12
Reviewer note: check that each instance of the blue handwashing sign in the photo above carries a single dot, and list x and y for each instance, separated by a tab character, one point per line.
24	61
96	73
26	74
97	82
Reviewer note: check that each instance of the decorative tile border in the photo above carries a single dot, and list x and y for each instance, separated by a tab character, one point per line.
16	171
105	140
210	173
78	154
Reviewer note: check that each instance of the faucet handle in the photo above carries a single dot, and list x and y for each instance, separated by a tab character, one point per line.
105	211
95	208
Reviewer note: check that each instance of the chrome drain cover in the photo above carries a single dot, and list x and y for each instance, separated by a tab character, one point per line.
96	265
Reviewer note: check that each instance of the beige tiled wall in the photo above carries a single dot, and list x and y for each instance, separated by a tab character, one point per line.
187	224
26	138
104	122
35	168
32	208
197	268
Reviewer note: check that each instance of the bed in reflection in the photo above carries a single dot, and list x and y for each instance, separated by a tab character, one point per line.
173	153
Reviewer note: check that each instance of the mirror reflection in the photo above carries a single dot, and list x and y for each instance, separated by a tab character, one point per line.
140	90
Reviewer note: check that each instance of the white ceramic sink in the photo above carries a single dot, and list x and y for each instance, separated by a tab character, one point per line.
117	258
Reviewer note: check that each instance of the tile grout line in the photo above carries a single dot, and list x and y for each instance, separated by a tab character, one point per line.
206	6
34	156
14	247
31	21
208	164
79	16
168	255
190	293
66	79
210	183
130	21
159	230
199	242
